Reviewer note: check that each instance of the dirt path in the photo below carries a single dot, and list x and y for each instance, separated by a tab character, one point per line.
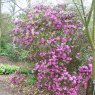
5	89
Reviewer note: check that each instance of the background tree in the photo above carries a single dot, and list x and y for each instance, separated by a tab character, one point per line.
89	28
0	24
28	3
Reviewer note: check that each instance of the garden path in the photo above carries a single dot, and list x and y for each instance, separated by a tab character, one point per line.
5	89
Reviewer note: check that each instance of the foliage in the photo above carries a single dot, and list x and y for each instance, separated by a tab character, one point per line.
6	39
31	79
24	71
9	51
7	69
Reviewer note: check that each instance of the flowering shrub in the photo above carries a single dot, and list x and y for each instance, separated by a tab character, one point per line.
44	29
50	36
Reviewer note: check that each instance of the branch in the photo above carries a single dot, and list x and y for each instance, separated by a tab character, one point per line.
19	6
5	1
90	12
78	11
9	16
84	15
93	31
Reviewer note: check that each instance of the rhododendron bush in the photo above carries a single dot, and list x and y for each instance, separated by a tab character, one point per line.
50	35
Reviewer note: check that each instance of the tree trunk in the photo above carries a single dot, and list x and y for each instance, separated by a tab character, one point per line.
89	90
0	24
90	86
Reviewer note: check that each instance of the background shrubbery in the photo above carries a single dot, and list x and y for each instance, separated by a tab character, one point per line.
6	39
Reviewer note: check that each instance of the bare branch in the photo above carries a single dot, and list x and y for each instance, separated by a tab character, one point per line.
19	7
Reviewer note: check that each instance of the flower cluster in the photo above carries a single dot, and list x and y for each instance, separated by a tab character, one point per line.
85	72
17	78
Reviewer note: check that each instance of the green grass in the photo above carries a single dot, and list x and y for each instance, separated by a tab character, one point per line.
31	79
7	69
24	71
